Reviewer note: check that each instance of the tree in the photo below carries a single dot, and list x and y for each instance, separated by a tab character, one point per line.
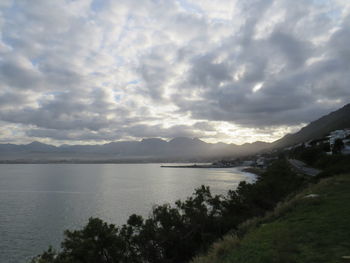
338	146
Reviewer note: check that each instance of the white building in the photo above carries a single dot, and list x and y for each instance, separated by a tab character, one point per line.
338	134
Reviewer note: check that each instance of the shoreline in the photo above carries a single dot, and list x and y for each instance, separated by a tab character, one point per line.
253	170
199	166
245	169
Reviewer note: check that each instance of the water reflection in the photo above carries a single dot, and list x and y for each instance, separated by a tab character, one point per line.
39	201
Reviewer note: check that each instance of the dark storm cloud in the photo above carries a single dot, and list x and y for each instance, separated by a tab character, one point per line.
205	73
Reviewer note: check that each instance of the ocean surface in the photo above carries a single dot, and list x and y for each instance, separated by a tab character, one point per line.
39	201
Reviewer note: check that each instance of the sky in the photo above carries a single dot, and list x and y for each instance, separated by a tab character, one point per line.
235	71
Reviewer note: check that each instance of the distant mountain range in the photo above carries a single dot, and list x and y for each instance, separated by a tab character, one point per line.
177	149
153	149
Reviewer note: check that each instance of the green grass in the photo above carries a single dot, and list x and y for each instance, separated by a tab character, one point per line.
305	230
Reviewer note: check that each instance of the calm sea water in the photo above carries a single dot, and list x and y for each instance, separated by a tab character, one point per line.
39	201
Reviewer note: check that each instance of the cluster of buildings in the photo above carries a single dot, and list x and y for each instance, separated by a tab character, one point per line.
344	136
264	160
259	161
330	140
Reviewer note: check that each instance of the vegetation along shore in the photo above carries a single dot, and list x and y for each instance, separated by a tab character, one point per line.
182	231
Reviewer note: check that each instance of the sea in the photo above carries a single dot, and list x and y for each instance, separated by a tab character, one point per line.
39	201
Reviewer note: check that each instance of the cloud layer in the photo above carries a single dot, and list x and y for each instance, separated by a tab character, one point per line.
238	71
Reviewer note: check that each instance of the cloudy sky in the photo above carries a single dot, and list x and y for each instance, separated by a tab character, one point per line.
94	71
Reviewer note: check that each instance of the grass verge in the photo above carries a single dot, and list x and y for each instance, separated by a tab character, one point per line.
303	229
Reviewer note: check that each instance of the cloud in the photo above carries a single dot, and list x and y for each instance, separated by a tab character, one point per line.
97	71
133	132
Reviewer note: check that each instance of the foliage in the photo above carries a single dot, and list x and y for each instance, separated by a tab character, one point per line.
316	156
309	154
302	230
333	164
176	233
338	146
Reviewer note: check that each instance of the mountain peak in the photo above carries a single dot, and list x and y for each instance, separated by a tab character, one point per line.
152	140
36	143
185	140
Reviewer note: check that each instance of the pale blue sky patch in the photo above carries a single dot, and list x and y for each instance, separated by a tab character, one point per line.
98	5
189	7
36	61
133	82
334	12
118	97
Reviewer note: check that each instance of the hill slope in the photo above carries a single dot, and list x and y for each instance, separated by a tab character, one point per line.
301	230
339	119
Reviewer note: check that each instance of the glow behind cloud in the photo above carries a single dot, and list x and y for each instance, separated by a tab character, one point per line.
235	71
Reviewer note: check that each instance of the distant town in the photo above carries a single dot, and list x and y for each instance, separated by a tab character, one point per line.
336	142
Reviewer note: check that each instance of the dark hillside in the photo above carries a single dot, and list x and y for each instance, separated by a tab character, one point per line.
311	227
336	120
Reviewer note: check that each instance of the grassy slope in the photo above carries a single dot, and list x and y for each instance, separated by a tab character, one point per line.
300	230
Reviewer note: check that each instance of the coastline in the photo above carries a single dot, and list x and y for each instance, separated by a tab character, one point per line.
199	166
253	170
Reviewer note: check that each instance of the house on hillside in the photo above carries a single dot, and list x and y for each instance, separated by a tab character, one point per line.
260	162
340	135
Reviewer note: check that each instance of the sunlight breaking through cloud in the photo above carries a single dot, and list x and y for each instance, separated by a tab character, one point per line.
93	71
